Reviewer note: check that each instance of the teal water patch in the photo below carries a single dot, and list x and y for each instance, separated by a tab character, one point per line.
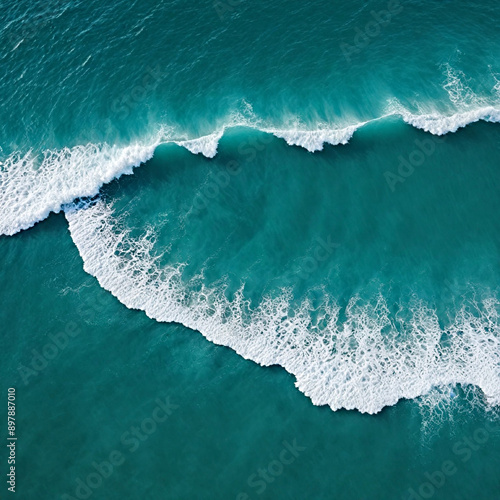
233	420
310	188
394	206
368	272
91	90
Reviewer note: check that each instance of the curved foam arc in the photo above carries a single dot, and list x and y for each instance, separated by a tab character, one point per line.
32	188
434	123
29	194
438	124
355	366
206	145
314	140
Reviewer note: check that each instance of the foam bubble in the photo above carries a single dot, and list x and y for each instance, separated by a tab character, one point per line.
361	364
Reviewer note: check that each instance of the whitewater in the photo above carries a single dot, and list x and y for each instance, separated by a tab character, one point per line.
360	363
34	185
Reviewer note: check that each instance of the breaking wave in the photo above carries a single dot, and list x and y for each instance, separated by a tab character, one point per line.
33	185
360	357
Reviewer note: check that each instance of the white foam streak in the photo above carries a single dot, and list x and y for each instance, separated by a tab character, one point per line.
206	145
361	365
458	89
314	140
439	125
31	187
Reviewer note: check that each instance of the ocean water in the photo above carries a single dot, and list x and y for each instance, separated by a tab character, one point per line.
251	249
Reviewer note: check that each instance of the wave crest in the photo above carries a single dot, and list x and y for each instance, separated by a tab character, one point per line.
31	188
370	361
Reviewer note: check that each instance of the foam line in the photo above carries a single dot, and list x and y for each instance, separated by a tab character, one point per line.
360	365
31	188
314	140
438	124
206	145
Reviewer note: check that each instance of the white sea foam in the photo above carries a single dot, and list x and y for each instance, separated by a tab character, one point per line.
458	88
496	88
32	186
439	125
361	364
469	107
206	145
314	140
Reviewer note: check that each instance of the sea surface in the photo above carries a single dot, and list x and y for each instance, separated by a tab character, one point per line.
251	250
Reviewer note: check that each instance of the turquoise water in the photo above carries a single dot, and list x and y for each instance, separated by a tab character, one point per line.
313	186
